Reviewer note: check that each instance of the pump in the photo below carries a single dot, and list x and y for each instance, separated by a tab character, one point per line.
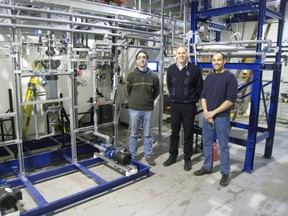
119	155
8	199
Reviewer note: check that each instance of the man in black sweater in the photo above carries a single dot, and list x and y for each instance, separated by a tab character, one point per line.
218	96
141	89
184	82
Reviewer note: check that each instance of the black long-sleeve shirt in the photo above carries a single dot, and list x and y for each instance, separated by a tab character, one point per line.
184	85
219	88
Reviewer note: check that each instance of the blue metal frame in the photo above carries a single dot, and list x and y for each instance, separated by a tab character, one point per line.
63	155
258	67
240	9
255	97
275	84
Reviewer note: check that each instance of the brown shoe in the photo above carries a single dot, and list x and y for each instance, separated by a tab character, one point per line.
150	161
224	180
201	172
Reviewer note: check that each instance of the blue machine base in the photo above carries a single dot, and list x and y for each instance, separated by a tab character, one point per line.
59	156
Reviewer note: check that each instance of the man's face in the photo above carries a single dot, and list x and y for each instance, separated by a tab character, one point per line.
181	55
218	62
141	60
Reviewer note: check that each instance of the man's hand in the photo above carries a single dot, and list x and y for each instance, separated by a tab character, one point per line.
208	115
210	120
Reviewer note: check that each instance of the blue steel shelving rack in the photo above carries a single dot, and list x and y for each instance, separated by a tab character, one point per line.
259	13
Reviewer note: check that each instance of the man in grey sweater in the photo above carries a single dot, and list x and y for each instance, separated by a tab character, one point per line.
141	88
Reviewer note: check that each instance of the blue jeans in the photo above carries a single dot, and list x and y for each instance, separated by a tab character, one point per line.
138	118
221	127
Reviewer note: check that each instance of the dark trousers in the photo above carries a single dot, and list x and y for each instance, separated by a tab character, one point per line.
182	114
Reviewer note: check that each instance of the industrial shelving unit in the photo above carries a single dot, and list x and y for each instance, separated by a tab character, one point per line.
246	11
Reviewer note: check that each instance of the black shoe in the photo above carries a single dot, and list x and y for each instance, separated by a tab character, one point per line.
201	172
187	165
224	180
169	161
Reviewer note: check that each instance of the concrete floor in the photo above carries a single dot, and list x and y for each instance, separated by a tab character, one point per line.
171	191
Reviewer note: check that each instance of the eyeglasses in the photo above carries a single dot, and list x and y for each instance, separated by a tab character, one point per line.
141	57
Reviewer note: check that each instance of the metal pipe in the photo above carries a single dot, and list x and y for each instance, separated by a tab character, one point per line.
184	21
235	42
84	105
5	43
4	56
229	54
234	54
36	119
56	29
161	74
94	95
84	6
114	98
18	86
150	5
144	24
142	38
145	47
29	73
11	108
81	6
73	123
76	15
94	25
271	3
8	16
7	115
83	31
73	117
11	153
47	135
123	46
139	7
101	148
44	101
172	38
106	137
227	49
234	35
10	142
83	129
